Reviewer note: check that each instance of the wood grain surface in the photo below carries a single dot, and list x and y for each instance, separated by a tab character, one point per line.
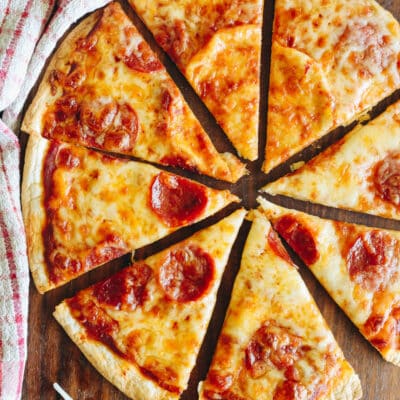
52	357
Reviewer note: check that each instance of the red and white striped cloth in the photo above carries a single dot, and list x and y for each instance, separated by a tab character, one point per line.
14	276
22	58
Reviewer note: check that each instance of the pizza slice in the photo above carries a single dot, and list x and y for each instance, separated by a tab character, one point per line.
143	327
105	88
83	208
274	343
357	265
361	172
217	46
332	60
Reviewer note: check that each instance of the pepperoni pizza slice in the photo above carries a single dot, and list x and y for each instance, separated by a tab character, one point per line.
357	265
274	343
105	88
143	327
332	60
217	45
361	172
83	208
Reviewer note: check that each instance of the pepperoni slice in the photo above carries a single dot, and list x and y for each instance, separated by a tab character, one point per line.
272	345
372	259
298	237
75	77
176	200
387	179
143	60
66	107
98	114
67	159
123	133
125	290
186	273
277	247
365	48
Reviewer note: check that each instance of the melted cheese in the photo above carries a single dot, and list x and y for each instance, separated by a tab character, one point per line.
230	89
343	175
356	46
293	74
268	288
165	130
357	301
99	198
166	333
217	47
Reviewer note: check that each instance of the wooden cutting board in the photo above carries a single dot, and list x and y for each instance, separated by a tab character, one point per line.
52	357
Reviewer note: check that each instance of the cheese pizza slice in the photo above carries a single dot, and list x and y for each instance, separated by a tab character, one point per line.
274	343
361	172
357	265
83	208
105	88
332	60
217	45
143	327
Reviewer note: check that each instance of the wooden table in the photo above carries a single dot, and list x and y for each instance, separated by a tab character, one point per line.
53	357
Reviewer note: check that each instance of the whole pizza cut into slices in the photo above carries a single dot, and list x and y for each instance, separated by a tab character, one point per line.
142	328
361	172
216	45
83	208
275	344
357	265
105	88
331	61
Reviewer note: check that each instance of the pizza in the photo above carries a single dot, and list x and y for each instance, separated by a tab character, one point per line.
357	265
105	88
217	46
143	327
274	343
331	61
361	172
83	208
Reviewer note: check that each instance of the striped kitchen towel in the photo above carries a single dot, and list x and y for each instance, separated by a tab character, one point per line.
21	23
22	58
14	276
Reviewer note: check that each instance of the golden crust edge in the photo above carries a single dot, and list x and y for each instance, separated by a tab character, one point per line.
392	356
33	210
119	372
349	389
32	121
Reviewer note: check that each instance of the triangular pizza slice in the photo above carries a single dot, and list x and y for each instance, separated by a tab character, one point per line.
83	208
332	60
274	343
361	172
357	265
217	46
106	88
143	327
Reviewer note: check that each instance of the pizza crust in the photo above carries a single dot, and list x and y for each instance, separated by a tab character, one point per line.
32	123
347	390
125	376
33	209
393	356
